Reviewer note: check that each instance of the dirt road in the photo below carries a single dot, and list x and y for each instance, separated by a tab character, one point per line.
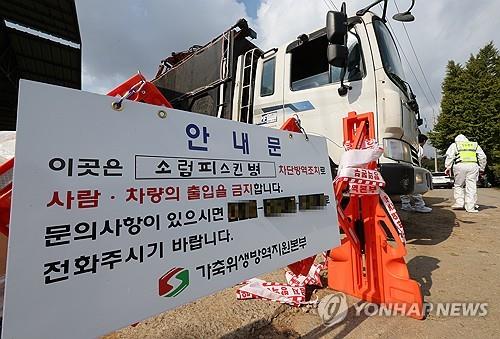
455	256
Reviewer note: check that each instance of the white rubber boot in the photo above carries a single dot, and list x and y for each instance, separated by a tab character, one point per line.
423	209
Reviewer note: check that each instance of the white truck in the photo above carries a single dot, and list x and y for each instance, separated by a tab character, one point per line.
350	65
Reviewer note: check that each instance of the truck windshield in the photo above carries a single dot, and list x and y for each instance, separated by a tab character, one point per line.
389	54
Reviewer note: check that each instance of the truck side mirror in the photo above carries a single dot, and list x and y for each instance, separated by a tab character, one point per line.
337	55
337	52
336	27
336	33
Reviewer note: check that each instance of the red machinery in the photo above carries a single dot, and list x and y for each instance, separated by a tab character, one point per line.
6	170
137	88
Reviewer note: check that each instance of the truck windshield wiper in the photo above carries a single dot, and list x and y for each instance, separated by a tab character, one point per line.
400	81
412	101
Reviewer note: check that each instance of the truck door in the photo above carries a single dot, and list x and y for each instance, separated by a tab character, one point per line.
311	86
268	93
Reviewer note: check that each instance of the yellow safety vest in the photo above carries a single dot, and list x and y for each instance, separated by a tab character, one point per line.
466	151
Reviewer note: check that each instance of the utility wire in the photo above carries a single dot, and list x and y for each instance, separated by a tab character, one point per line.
333	4
416	57
408	62
327	5
330	2
411	68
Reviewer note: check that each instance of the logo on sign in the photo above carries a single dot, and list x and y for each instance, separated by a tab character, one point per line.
168	288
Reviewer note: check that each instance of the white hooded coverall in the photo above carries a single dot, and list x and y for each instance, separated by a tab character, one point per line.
466	174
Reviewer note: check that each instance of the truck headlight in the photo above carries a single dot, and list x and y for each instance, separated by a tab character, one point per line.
419	178
396	149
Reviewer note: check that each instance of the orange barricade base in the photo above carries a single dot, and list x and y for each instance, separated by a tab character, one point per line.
366	265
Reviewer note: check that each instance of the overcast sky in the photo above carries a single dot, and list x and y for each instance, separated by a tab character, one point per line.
120	37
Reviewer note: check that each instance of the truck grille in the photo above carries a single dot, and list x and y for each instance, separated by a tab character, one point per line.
414	156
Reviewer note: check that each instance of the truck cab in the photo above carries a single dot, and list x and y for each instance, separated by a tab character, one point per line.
296	79
232	78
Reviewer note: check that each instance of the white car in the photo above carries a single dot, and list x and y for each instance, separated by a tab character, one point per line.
441	179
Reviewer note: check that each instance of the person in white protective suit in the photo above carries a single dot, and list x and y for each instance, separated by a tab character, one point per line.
419	205
467	159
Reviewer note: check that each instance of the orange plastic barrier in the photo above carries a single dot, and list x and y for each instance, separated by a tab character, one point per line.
137	88
366	265
292	125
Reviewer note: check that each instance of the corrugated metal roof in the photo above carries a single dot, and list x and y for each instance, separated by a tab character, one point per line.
27	56
43	60
55	17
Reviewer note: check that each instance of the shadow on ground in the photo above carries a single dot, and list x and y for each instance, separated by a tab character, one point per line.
420	269
429	228
260	329
347	326
486	207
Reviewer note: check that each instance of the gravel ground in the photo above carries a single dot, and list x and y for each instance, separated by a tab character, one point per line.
452	254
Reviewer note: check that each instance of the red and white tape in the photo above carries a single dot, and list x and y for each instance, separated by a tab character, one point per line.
363	181
393	214
367	143
293	293
259	289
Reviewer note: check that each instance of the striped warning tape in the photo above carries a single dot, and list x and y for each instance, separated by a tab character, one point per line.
292	293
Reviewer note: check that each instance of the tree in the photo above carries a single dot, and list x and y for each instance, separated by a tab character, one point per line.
470	105
428	163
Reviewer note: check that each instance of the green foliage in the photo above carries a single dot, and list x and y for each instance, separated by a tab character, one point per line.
429	164
470	105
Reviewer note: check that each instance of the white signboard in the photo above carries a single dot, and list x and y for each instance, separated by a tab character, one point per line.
120	215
